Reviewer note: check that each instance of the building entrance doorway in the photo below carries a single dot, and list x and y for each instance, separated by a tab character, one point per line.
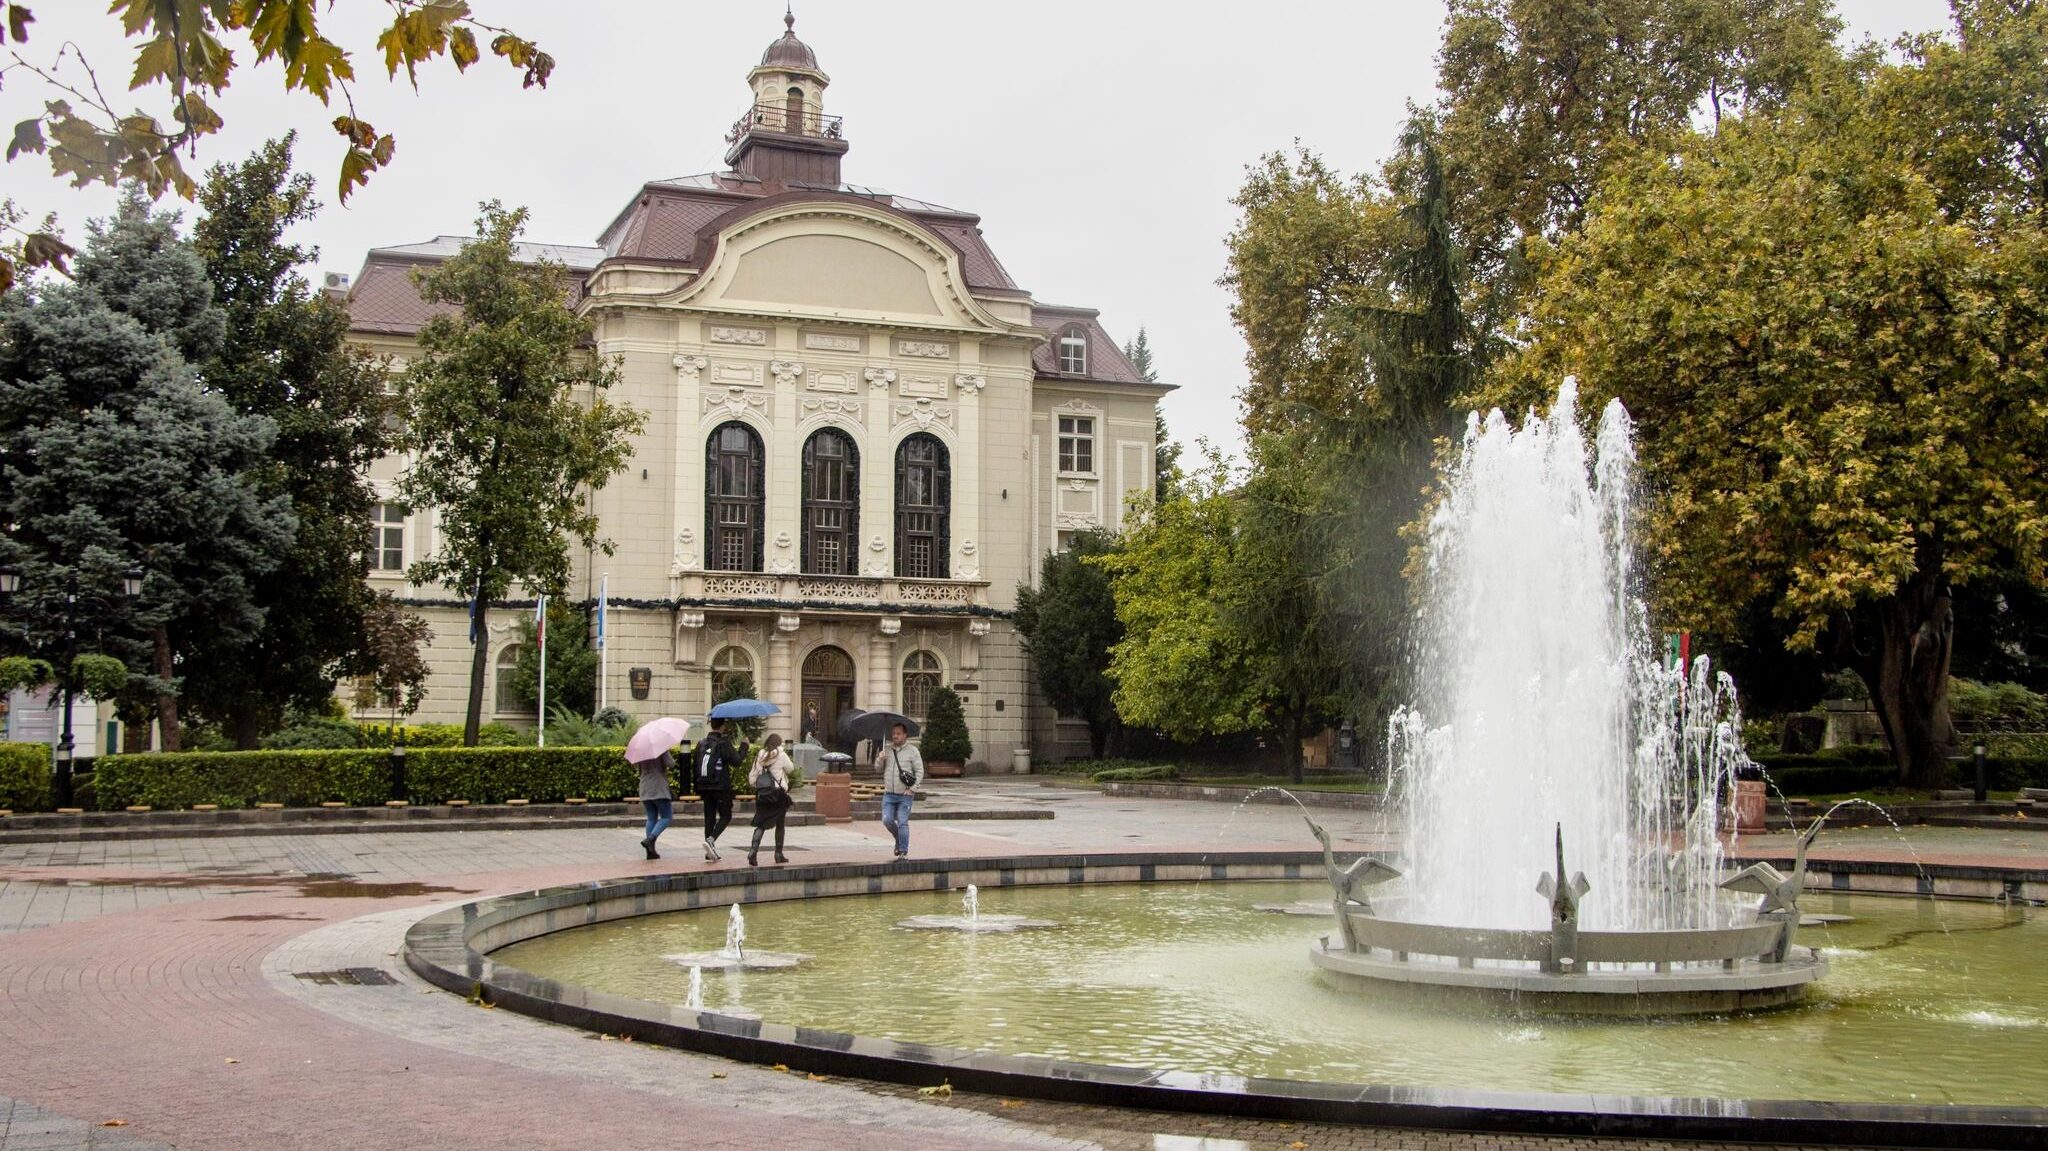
827	691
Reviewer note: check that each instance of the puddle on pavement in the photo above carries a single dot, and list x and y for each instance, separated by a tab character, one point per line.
261	918
313	885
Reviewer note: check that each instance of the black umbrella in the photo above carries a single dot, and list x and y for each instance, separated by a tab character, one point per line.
856	725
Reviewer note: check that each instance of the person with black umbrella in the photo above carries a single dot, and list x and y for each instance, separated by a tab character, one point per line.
902	770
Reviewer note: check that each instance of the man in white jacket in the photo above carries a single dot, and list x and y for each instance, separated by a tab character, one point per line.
902	770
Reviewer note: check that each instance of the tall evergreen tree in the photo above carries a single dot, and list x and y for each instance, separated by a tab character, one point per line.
113	454
285	356
509	426
1069	625
1165	452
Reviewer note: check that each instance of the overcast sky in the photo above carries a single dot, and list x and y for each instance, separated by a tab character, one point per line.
1099	141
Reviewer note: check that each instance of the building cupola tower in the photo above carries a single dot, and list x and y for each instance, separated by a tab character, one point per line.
785	136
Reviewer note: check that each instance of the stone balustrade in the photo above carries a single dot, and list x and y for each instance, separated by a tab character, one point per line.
767	589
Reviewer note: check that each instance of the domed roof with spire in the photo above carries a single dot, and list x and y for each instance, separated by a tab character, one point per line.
789	52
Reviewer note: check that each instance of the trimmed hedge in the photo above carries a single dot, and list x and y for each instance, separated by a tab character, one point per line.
1143	774
1823	774
362	777
25	776
496	774
242	778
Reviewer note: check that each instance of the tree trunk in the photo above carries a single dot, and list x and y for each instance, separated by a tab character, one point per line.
1290	736
473	717
1912	636
248	727
166	701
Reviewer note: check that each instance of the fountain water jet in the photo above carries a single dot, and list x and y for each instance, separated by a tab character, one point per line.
972	921
1547	721
734	956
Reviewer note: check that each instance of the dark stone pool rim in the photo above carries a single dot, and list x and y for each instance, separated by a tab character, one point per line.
443	949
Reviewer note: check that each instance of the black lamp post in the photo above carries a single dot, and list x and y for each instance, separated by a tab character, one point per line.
131	586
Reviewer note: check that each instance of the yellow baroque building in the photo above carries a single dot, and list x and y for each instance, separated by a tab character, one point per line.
861	437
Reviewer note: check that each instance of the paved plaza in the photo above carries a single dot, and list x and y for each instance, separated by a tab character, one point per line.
178	992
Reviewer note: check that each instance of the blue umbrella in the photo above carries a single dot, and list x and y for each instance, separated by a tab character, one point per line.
744	709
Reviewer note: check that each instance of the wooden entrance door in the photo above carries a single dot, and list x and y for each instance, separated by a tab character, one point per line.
828	687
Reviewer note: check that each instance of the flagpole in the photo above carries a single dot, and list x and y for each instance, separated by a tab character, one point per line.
603	656
540	628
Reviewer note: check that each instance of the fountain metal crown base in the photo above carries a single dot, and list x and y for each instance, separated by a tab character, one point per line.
1564	970
1751	985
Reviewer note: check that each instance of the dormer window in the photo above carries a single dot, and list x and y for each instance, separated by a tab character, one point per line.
1073	352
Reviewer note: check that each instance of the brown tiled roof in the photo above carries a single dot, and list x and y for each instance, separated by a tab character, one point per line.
674	221
1106	361
384	300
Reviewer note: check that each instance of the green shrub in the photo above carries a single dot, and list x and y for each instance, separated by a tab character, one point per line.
315	733
945	729
1844	684
375	734
1824	778
1140	774
541	774
1988	707
567	729
25	776
362	777
232	779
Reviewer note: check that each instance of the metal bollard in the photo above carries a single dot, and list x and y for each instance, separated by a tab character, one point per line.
1982	784
398	790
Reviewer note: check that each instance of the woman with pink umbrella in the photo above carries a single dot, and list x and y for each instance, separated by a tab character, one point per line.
649	753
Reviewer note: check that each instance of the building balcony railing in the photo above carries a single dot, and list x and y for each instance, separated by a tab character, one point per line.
884	593
771	117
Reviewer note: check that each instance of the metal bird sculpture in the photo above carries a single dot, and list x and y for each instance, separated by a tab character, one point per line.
1348	884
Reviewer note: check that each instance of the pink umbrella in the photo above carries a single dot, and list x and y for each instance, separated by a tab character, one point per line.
654	737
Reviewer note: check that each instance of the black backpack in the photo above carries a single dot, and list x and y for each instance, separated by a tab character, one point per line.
711	772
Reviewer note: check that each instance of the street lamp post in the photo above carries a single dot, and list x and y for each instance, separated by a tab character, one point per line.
131	586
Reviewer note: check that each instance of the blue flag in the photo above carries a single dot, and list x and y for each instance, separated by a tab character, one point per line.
602	585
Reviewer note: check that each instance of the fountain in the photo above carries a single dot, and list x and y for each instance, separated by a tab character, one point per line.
1547	720
734	956
971	919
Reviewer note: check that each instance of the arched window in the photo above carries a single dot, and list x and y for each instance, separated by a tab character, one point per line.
504	699
831	504
733	499
1074	352
729	664
924	502
921	677
793	116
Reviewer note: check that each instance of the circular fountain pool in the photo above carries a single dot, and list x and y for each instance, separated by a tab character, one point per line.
1928	1003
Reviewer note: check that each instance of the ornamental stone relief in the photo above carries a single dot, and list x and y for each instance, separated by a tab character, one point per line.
1076	520
852	411
741	586
830	380
832	342
879	378
688	368
736	402
930	387
785	372
757	337
923	413
924	349
745	375
969	386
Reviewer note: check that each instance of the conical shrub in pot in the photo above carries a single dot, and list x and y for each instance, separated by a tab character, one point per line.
945	744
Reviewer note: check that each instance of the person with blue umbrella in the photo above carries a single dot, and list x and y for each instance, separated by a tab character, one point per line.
716	757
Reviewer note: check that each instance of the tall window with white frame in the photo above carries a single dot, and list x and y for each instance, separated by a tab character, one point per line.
387	537
504	698
1074	352
734	498
729	664
921	677
831	509
924	503
1077	445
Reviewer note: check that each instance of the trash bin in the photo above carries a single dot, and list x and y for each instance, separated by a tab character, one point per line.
833	791
1020	761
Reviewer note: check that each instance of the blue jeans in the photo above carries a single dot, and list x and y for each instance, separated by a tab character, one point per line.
896	817
660	813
